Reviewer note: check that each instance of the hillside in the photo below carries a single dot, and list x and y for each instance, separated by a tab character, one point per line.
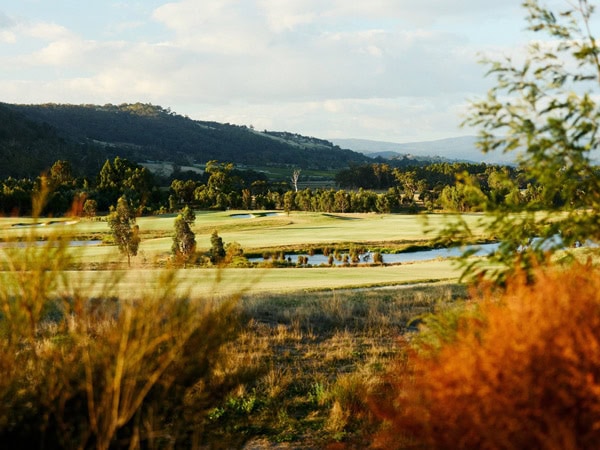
88	134
28	148
452	149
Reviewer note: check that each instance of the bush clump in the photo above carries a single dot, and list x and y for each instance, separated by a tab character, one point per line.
520	369
101	372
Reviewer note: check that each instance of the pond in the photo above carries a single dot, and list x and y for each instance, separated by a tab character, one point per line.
44	224
395	258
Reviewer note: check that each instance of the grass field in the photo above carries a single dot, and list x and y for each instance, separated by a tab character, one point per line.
284	280
263	230
315	337
256	232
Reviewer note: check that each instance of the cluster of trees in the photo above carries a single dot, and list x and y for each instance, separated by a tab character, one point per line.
223	186
375	187
116	178
126	234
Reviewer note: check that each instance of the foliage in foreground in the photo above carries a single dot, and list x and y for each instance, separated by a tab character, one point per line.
521	369
80	372
546	111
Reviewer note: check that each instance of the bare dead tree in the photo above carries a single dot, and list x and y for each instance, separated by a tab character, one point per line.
295	176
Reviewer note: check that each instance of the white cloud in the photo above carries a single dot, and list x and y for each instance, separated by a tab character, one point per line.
7	37
213	26
372	68
47	31
402	119
288	15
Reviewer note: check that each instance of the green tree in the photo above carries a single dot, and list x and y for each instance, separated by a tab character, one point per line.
289	200
234	254
183	191
125	178
465	196
61	172
217	248
341	201
545	110
90	207
125	231
184	241
222	177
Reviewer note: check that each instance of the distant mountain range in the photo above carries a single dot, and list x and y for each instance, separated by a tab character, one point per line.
450	149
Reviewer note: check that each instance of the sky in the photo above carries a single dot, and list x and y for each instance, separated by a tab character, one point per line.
388	70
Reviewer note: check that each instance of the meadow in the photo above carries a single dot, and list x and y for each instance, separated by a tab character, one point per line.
257	232
96	354
293	367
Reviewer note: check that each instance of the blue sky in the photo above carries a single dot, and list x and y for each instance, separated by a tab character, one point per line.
392	70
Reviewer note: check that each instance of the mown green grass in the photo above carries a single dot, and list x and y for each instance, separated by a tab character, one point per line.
296	231
252	280
262	231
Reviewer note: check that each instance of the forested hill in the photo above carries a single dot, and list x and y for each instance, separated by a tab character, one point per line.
28	148
32	136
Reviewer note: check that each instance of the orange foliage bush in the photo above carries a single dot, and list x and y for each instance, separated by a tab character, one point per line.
524	373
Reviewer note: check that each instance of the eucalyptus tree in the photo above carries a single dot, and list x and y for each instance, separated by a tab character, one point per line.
125	231
184	240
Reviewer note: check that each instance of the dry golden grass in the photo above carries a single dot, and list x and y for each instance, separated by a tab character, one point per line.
97	372
321	353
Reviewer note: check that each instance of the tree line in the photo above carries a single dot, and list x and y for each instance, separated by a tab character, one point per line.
375	187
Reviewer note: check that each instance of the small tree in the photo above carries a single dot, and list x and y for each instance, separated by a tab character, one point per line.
90	207
217	249
289	199
125	231
184	241
234	254
377	258
61	173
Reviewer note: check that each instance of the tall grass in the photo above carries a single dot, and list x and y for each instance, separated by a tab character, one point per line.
518	369
85	365
321	352
81	372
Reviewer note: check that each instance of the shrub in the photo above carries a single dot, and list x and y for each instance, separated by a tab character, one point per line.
522	372
377	258
81	372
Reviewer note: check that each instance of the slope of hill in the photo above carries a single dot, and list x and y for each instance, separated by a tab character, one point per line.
143	132
454	149
28	148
